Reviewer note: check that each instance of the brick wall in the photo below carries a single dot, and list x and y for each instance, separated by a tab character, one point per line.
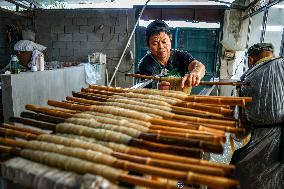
70	35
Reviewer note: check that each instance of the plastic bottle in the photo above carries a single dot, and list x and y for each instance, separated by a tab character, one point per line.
33	68
14	65
41	63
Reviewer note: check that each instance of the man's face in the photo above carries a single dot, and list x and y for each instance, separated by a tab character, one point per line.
160	45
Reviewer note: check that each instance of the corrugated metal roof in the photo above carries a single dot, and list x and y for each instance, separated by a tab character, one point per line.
110	3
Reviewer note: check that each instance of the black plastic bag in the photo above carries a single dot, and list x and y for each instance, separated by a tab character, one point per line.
258	164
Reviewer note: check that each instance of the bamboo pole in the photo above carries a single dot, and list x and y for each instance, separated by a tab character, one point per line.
198	113
206	107
87	96
39	124
8	132
48	111
224	101
24	129
42	117
111	89
210	83
246	99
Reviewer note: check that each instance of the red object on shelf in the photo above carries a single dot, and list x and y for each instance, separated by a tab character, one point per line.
24	57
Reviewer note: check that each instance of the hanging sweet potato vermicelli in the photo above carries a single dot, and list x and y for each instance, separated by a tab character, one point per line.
103	159
129	129
116	150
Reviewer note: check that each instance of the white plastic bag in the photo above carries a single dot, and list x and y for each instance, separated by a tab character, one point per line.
93	72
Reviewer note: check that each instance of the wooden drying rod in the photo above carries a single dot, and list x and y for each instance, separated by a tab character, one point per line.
177	79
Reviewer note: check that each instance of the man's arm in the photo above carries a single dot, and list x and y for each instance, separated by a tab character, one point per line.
196	73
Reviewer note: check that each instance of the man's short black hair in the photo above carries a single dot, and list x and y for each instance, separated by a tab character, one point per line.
155	28
259	47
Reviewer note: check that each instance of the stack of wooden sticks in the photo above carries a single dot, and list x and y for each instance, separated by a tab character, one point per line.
107	131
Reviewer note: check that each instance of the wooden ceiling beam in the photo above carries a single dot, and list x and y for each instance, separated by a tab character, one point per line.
34	3
19	4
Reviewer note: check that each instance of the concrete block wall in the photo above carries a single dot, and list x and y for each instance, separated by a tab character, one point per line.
71	35
234	38
7	19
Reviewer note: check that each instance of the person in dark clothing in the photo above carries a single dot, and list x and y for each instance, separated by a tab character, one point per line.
260	163
162	60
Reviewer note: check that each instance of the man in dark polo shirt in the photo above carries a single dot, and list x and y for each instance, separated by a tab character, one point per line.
164	61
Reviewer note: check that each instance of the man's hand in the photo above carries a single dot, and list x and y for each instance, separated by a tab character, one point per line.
191	79
197	72
164	85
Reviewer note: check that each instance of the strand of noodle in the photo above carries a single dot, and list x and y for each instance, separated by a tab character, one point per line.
143	98
74	142
139	103
107	120
107	115
99	134
121	112
71	163
97	125
158	113
130	94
